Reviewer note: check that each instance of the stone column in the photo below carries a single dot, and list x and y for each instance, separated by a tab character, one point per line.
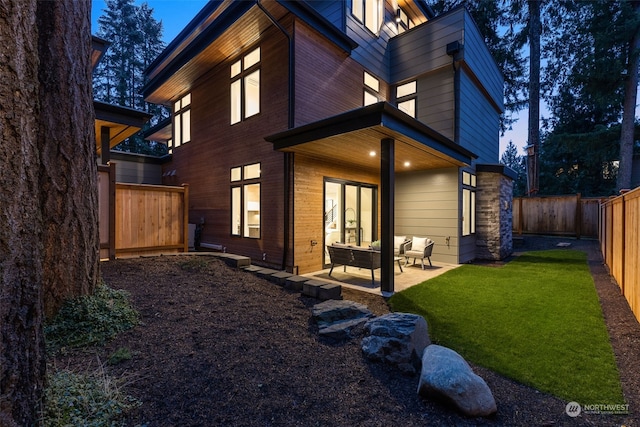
494	212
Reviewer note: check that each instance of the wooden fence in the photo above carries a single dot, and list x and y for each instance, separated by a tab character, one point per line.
556	215
619	235
138	219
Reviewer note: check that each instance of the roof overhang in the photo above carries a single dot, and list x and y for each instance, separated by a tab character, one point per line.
161	132
121	121
221	30
350	138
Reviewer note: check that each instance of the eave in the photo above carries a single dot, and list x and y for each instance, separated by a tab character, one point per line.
348	138
221	30
122	122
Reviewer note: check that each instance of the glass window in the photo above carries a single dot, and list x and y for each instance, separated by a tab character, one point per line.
371	81
406	97
252	171
406	89
252	94
236	174
403	21
408	107
371	89
182	121
468	203
245	201
369	98
245	87
368	12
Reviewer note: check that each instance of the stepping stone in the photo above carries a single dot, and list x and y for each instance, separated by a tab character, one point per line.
295	282
280	277
266	273
311	288
252	268
330	291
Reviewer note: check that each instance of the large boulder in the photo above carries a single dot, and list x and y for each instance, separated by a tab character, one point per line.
398	339
446	375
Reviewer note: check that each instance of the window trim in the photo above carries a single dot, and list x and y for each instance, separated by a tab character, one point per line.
362	19
239	184
178	113
468	186
239	73
409	96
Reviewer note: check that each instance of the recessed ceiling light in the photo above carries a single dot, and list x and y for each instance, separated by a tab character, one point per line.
407	164
372	153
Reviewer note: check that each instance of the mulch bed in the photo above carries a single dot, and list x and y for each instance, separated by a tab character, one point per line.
219	346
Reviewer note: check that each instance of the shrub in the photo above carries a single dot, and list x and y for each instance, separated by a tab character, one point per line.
91	319
92	399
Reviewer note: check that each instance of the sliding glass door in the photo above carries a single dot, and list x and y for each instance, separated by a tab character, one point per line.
350	213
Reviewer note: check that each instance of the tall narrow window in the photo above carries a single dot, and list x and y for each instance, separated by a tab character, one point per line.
245	86
369	12
468	203
245	201
181	121
406	97
371	89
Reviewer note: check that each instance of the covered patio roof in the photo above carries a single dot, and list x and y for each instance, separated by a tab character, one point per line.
353	136
114	124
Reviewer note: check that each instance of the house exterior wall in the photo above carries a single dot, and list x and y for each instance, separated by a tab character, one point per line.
326	78
479	130
427	205
216	147
309	174
137	168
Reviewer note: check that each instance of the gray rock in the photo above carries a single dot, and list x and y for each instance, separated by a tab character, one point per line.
333	311
445	374
398	339
343	330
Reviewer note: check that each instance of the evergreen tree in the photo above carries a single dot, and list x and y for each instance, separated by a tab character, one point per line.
588	58
516	162
135	39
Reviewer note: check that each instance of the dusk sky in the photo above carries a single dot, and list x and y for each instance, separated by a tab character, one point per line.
176	14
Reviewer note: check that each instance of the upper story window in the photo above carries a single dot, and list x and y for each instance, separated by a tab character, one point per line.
406	97
369	12
245	87
371	89
402	21
181	122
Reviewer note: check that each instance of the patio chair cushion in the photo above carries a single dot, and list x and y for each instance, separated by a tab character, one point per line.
397	241
418	244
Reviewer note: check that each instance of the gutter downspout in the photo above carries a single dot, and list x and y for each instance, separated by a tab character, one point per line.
288	157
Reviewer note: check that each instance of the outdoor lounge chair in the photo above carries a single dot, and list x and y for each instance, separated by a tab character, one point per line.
421	248
400	245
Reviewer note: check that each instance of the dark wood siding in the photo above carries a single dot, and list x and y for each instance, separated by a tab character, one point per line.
328	82
216	147
309	206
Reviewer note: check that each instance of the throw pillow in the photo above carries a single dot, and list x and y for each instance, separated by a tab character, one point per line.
397	241
418	243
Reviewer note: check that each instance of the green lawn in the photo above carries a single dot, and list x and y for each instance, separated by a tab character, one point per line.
536	320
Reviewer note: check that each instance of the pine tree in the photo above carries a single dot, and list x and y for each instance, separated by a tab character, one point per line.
135	39
516	162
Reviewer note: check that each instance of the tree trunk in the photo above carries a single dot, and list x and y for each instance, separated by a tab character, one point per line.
629	111
68	175
22	362
48	198
533	151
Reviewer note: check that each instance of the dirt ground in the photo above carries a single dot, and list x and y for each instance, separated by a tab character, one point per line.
218	346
